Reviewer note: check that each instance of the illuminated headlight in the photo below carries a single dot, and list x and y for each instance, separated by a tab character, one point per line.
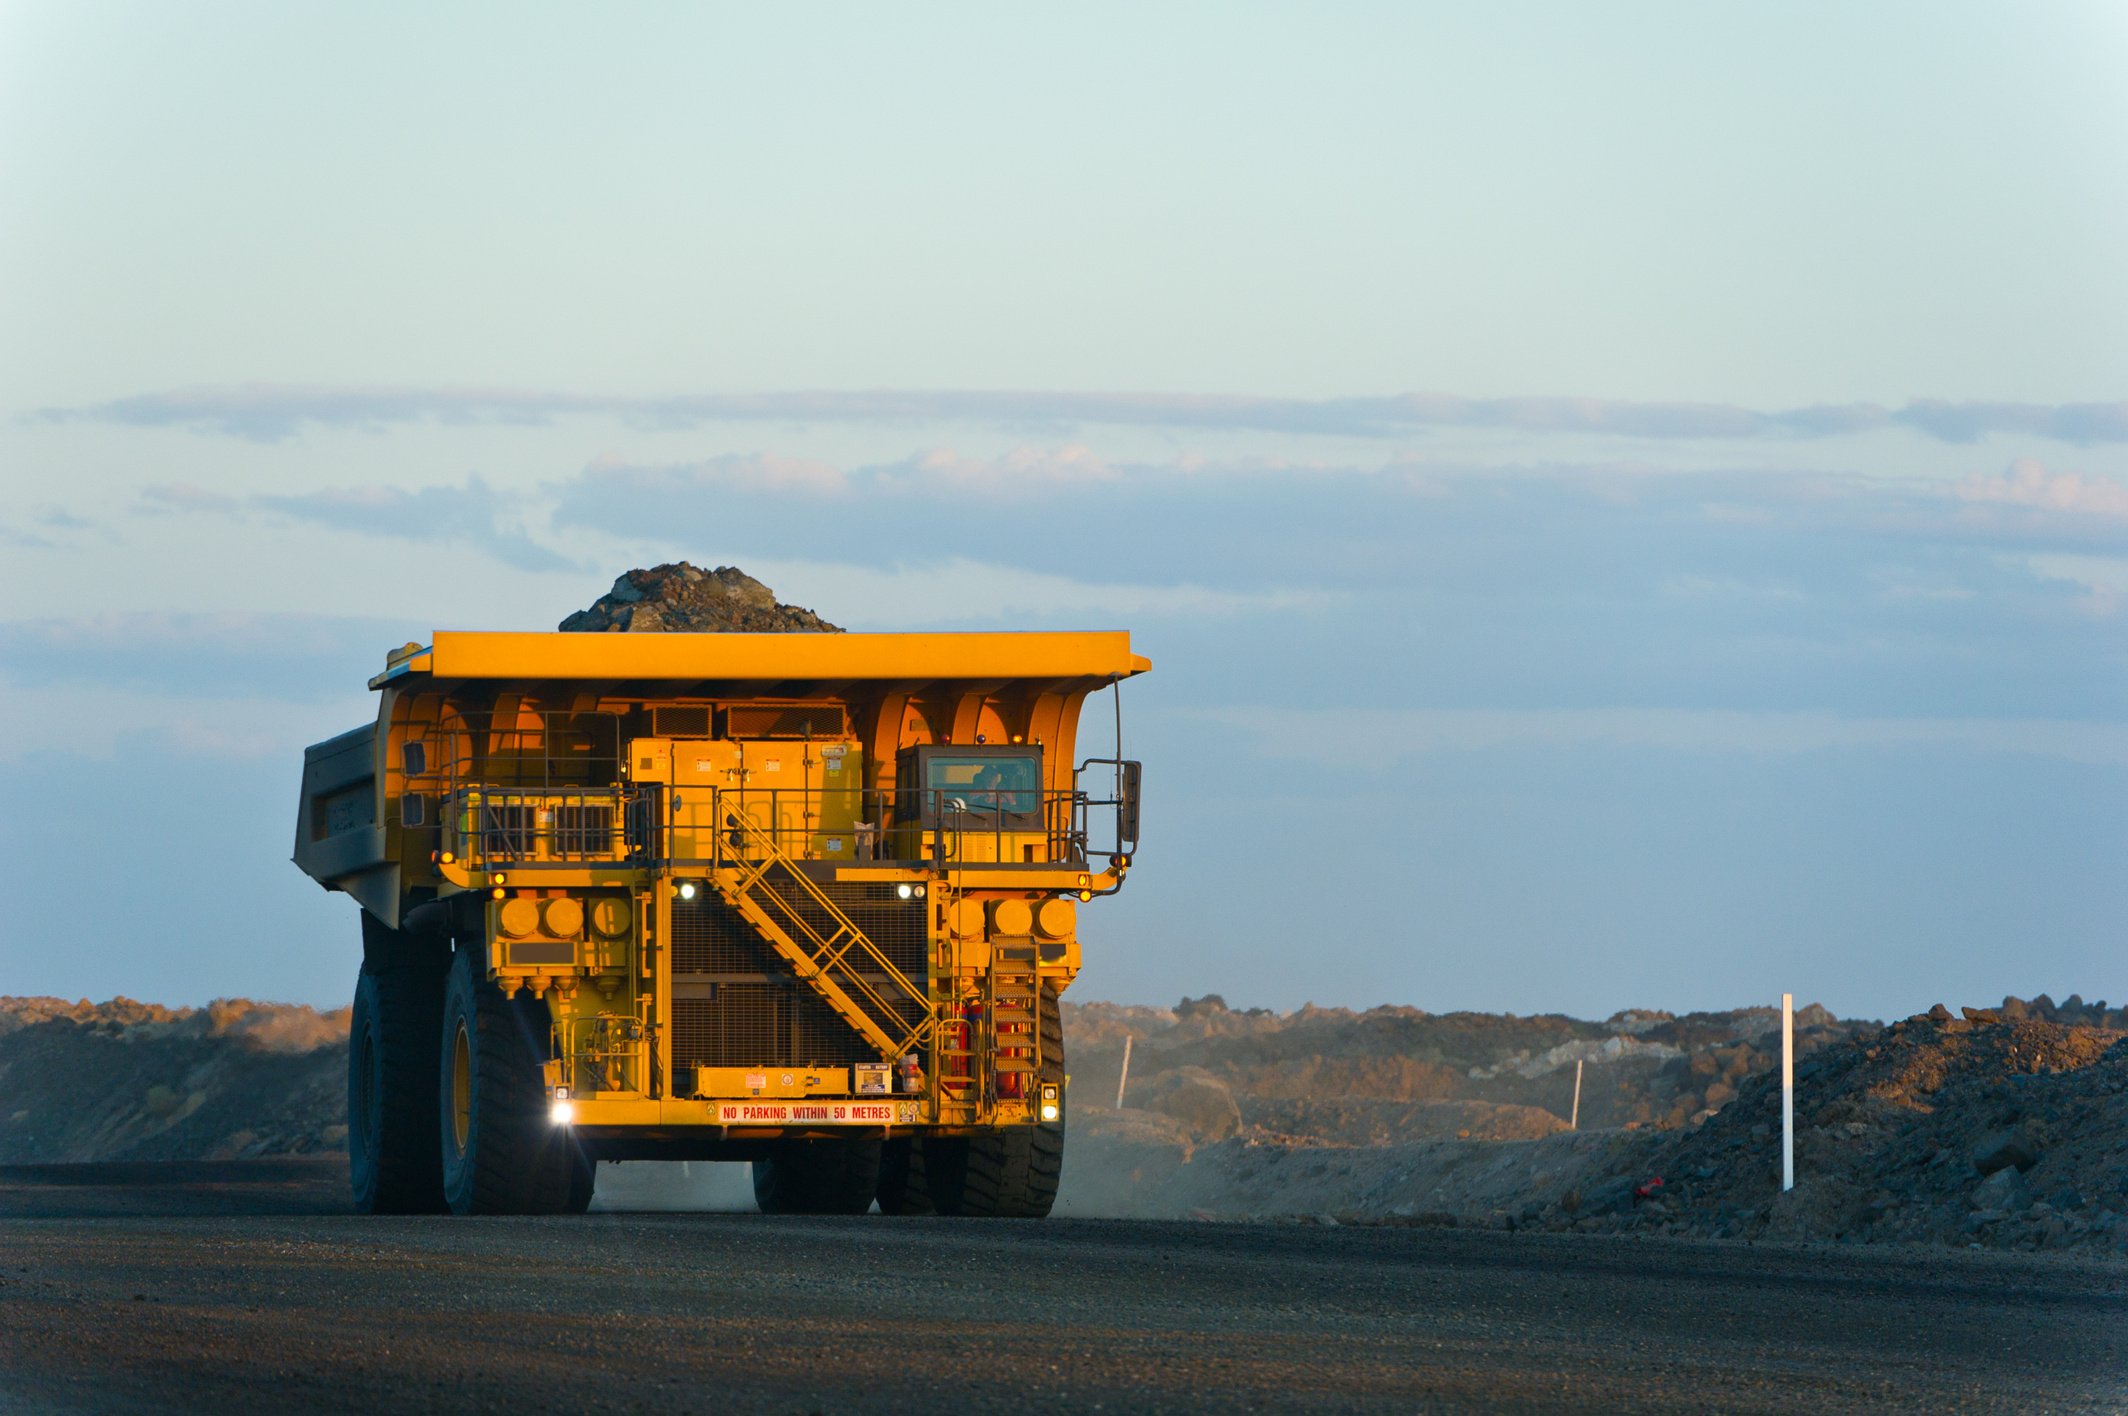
562	1112
1049	1111
687	889
1051	1102
905	890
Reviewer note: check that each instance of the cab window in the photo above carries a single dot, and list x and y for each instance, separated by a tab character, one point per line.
988	784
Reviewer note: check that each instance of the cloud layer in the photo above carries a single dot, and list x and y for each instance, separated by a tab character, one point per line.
1399	733
472	513
270	412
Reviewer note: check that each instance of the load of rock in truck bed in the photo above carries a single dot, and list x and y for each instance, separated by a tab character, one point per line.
685	599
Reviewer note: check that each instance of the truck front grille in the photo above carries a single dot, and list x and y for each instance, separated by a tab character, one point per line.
896	925
736	1004
709	937
780	1024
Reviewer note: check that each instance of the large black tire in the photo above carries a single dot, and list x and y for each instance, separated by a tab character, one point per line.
818	1177
904	1185
1009	1174
502	1153
583	1180
394	1163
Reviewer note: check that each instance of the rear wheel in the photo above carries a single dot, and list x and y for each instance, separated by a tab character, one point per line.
502	1154
818	1177
394	1164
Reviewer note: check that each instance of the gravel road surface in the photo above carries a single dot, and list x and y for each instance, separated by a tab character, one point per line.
245	1288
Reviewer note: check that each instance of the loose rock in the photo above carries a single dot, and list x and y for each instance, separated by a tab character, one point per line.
684	598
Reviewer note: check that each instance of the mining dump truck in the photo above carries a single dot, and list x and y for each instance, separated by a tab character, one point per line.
803	900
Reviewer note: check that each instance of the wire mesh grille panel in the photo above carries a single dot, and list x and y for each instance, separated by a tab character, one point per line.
894	924
680	720
760	1024
741	1007
709	937
785	720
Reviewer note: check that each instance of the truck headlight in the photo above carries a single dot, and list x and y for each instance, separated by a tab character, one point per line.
562	1112
687	889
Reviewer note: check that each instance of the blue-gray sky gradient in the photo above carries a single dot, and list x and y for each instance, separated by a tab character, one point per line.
1628	507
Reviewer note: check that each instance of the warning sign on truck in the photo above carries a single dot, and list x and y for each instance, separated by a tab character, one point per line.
813	1113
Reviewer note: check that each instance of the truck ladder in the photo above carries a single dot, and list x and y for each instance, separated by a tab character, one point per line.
823	960
1012	1026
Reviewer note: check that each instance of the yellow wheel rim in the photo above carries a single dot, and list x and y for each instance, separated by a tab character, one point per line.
461	1088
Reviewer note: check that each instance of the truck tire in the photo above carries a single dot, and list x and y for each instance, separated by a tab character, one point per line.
565	1188
393	1161
1008	1174
502	1154
818	1177
583	1182
904	1188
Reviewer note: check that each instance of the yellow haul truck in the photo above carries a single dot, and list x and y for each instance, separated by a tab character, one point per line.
806	900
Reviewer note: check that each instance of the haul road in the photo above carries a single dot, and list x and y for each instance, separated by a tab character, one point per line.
807	901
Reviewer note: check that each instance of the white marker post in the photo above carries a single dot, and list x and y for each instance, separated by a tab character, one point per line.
1574	1122
1787	1092
1123	1076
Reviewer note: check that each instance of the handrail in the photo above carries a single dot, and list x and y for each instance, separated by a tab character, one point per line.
567	827
793	818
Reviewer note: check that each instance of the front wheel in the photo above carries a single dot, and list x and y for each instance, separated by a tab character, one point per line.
502	1152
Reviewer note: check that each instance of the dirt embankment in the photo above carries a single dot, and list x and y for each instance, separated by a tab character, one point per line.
127	1080
1332	1076
2005	1127
134	1081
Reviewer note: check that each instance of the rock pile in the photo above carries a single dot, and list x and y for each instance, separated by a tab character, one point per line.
1988	1128
686	599
2072	1011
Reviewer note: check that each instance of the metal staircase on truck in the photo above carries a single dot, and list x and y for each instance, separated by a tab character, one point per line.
824	947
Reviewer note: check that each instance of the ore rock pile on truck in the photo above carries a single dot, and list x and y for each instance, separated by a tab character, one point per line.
801	900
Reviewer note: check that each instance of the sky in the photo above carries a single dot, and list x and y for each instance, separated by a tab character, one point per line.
1627	505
